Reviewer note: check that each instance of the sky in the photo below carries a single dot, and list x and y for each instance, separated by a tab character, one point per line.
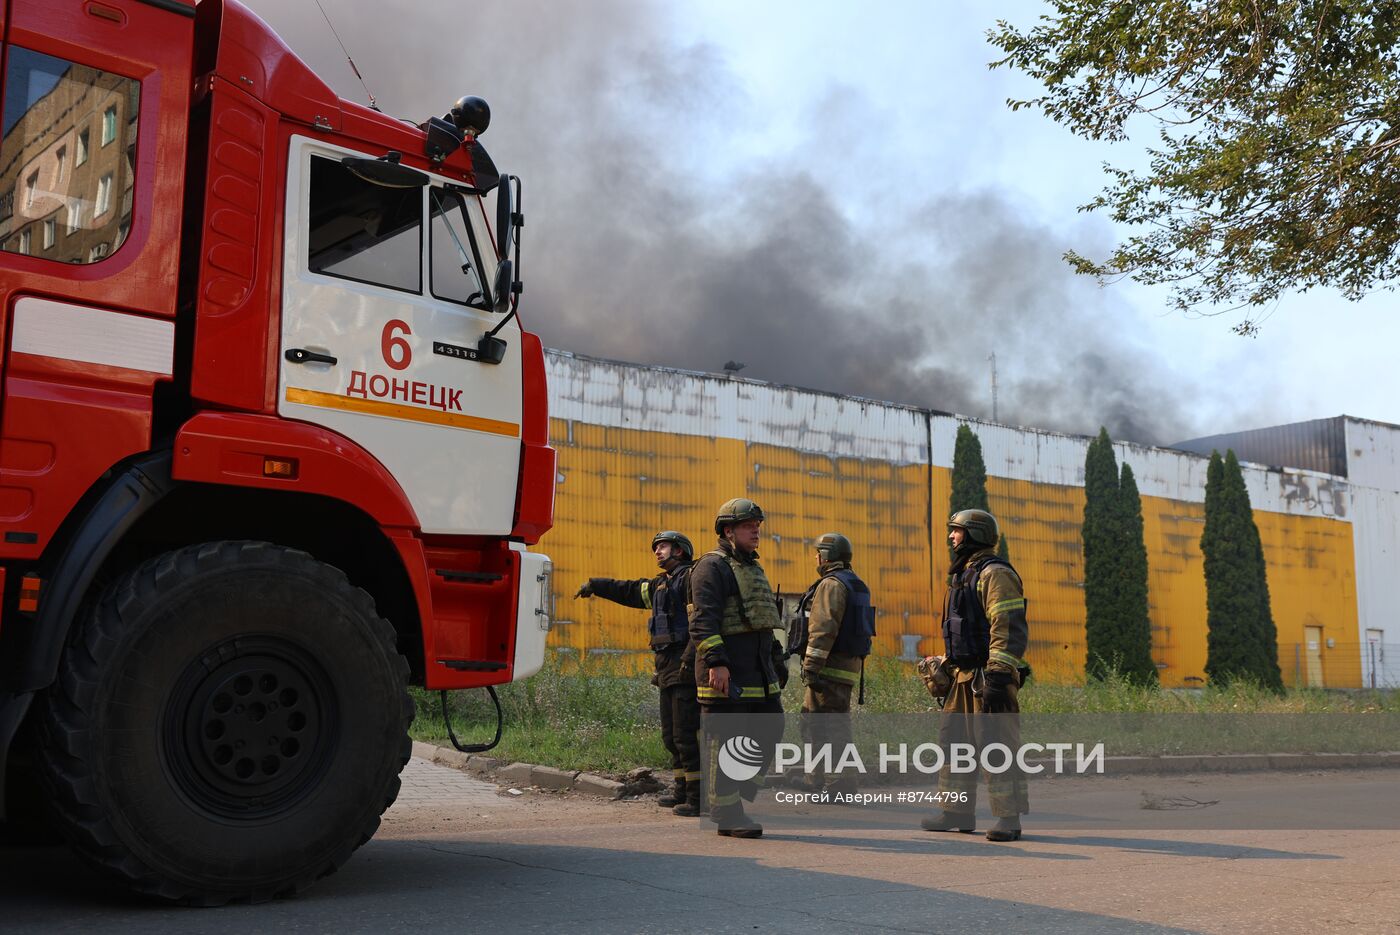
836	195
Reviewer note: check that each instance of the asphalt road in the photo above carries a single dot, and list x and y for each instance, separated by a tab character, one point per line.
455	853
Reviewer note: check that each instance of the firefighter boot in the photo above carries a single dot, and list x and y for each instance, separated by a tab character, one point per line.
690	808
734	823
962	822
1006	829
676	796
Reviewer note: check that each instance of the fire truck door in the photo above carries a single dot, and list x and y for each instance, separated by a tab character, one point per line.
380	313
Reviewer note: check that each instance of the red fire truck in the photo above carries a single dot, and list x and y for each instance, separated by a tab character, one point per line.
272	442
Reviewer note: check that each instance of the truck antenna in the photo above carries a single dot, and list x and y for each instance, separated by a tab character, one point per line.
373	104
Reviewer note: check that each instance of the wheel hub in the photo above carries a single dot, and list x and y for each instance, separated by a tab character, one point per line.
249	727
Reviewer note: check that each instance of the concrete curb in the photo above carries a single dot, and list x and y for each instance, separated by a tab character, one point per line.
521	774
561	780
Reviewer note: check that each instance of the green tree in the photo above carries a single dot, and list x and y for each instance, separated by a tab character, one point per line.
1101	556
1135	622
1277	161
970	479
969	473
1241	639
1117	630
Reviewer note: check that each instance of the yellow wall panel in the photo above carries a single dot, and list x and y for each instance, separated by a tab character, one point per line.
1041	523
882	508
617	487
1312	582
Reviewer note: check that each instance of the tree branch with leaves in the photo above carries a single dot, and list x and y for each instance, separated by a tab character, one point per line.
1276	166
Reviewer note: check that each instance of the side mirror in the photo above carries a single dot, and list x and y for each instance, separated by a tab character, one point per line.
490	350
505	216
501	290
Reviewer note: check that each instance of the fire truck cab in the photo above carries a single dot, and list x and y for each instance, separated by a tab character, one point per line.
273	442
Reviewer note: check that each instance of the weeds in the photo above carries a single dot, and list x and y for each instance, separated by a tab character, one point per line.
597	713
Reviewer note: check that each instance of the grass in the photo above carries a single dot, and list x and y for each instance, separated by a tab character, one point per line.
598	714
595	715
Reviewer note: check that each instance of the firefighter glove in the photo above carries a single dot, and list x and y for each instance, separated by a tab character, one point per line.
780	666
996	690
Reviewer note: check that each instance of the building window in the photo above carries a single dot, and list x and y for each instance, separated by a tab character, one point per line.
44	98
104	196
24	237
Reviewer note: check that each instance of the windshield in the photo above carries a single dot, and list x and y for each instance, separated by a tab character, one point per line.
463	259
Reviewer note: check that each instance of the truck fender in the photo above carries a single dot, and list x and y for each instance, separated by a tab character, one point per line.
130	494
127	498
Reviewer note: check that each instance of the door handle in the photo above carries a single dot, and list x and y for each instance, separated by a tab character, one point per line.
299	356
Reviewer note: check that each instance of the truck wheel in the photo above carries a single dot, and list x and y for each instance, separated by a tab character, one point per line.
229	722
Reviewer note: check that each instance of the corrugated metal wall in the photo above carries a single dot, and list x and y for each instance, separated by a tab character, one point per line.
1318	445
1373	449
642	449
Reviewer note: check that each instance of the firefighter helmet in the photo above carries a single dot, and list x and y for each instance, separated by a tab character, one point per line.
677	540
980	526
738	510
834	547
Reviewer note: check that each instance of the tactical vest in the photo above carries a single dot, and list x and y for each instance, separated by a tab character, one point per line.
668	622
857	625
755	607
967	632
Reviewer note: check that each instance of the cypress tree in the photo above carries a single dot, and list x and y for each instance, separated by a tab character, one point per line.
1135	624
1227	652
1101	557
969	474
1117	630
1241	639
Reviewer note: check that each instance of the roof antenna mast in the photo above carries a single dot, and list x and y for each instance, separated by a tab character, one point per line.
373	104
993	359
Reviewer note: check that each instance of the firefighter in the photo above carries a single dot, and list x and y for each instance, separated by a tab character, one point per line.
667	596
984	632
839	623
739	665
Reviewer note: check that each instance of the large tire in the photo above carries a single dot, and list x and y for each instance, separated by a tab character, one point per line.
229	723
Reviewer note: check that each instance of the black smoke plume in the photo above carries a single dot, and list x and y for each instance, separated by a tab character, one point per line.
648	240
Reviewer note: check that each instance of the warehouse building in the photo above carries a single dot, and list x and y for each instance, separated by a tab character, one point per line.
648	448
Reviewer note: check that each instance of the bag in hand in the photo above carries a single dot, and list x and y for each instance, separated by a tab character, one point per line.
936	677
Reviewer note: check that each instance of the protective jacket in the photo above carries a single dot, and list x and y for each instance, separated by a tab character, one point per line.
840	624
984	617
666	596
733	614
